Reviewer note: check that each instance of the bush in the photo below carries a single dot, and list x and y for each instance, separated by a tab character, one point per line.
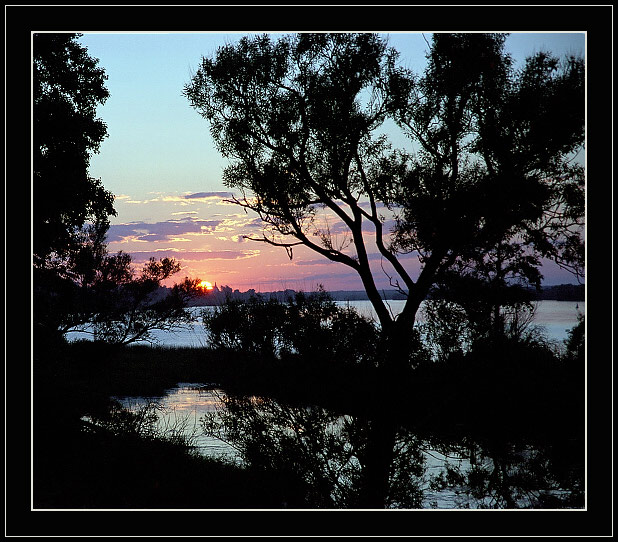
576	342
306	325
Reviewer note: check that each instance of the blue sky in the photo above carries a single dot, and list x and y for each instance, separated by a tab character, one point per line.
161	164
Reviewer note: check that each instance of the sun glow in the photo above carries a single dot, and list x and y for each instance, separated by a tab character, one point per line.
205	285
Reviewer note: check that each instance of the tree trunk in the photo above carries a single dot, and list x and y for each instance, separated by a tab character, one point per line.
377	463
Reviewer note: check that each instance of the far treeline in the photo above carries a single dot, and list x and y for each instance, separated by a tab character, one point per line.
559	292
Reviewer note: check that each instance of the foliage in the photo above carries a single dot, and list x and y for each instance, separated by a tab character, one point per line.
101	294
77	285
67	88
140	422
576	341
308	325
489	173
493	182
445	328
290	116
130	311
465	310
253	325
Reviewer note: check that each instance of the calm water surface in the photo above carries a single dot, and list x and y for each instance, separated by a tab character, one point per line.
556	317
181	409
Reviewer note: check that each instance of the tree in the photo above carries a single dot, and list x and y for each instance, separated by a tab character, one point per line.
519	195
130	309
77	284
104	295
70	208
67	88
494	165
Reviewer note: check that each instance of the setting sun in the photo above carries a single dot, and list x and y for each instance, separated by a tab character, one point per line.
205	285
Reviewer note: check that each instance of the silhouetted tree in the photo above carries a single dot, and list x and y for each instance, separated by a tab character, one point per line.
68	86
104	295
494	166
576	342
130	309
469	307
252	325
77	285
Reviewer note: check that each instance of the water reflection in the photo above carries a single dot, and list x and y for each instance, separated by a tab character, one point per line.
180	410
324	459
322	456
335	461
509	475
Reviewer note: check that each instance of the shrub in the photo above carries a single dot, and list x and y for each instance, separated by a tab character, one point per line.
305	325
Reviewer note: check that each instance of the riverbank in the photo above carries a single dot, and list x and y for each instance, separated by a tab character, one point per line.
528	385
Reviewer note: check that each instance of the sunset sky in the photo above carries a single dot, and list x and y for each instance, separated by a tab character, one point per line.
161	164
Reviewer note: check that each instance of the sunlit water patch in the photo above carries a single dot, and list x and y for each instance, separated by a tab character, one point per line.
180	409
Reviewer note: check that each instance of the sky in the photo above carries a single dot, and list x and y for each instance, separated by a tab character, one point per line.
161	164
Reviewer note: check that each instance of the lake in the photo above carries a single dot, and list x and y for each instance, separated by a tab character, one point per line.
326	447
556	317
184	407
423	465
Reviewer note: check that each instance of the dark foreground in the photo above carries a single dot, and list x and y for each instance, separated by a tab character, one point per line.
495	398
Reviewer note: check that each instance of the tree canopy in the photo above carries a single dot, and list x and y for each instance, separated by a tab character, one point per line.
489	170
68	85
78	286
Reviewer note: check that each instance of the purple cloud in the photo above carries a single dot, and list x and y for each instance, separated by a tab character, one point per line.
205	195
159	231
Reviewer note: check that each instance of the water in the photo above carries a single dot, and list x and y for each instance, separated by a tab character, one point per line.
556	318
182	408
286	434
179	411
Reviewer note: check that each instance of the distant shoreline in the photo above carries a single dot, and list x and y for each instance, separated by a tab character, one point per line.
560	292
